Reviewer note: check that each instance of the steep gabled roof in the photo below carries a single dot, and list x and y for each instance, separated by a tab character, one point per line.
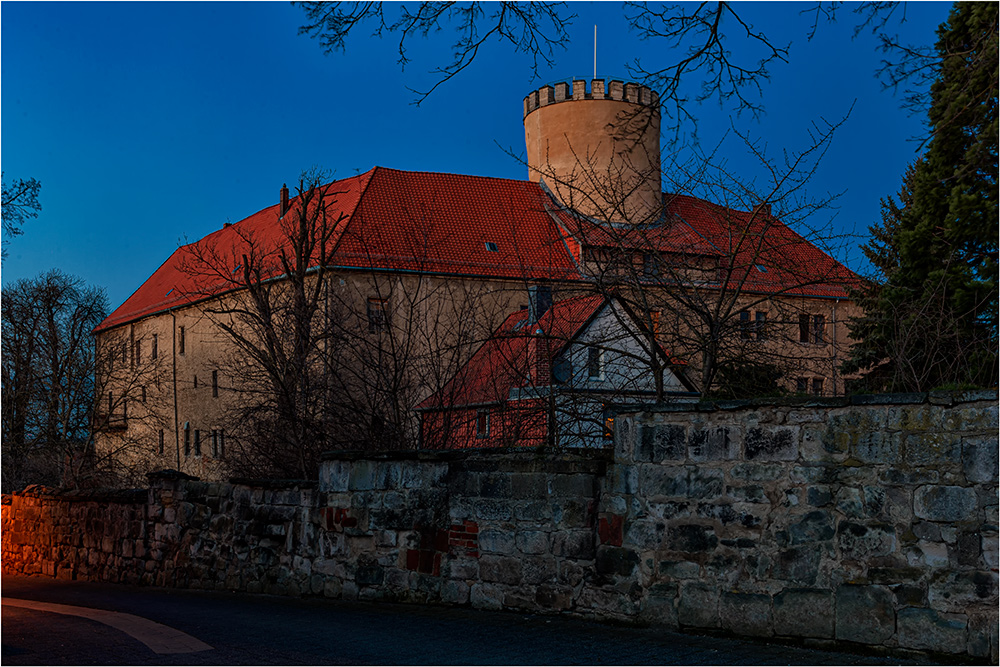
503	362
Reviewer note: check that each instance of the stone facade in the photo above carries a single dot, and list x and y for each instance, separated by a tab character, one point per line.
872	522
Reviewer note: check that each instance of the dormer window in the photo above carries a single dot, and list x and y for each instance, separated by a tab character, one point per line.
491	246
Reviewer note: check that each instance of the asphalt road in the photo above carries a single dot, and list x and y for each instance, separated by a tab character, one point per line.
243	629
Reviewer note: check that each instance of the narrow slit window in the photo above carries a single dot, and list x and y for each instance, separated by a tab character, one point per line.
187	440
595	363
155	351
483	424
215	384
197	442
180	341
160	448
378	315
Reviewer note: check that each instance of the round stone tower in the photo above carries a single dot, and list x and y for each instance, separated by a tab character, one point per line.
597	150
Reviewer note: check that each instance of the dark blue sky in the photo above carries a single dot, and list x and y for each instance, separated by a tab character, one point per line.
150	125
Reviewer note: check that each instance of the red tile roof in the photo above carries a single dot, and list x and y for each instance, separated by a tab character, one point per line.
186	277
450	224
503	362
766	255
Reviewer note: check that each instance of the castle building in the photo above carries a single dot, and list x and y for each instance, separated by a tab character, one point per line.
413	274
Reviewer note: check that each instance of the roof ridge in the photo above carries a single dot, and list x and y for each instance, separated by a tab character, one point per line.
450	173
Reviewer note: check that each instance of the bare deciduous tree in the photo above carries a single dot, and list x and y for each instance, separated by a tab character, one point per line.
728	293
55	390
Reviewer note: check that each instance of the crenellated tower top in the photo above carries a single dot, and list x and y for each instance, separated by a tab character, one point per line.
598	148
576	89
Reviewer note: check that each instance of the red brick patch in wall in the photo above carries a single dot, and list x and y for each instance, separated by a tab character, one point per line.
338	519
464	538
609	529
460	538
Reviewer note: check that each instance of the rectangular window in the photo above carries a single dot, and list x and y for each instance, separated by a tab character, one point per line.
215	384
483	424
378	315
138	351
180	341
197	442
111	403
143	390
222	444
187	440
161	442
819	328
817	386
803	328
801	385
215	443
156	347
124	353
595	363
195	381
760	325
745	325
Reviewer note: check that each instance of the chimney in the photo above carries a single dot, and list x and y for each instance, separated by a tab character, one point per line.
539	301
283	209
539	363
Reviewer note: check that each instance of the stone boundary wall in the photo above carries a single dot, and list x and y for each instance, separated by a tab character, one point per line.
824	521
872	521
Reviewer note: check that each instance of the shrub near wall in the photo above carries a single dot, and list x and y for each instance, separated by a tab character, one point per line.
873	522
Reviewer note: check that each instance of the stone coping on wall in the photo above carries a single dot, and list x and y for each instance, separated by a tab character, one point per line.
527	459
131	496
945	398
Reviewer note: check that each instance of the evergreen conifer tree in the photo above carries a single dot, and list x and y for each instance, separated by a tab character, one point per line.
931	321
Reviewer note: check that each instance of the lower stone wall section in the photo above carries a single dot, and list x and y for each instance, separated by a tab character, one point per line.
870	523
